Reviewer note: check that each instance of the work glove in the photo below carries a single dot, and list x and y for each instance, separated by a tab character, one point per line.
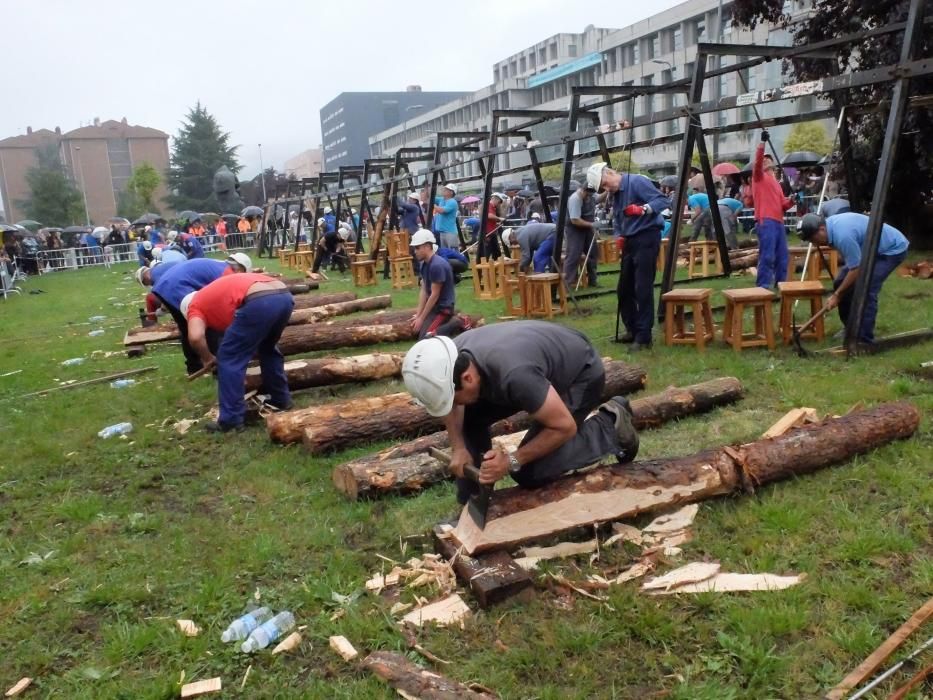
765	136
620	244
636	210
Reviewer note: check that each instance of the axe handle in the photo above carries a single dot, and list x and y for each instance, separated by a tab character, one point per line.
471	471
816	317
201	372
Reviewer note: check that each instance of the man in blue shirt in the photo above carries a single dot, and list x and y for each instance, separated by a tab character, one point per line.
458	262
636	214
846	233
410	213
701	220
435	313
330	221
729	209
445	217
472	223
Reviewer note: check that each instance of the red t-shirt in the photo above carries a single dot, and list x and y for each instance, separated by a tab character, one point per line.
770	202
491	211
216	303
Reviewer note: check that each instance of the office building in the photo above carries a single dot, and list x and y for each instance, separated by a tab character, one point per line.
305	164
351	118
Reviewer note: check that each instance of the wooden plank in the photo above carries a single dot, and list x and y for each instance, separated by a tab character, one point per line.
915	680
342	646
689	573
89	382
792	419
211	685
871	664
445	611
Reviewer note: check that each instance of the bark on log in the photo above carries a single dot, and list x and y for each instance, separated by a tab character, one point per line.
396	415
386	327
518	516
409	468
413	681
306	301
151	334
301	286
744	262
319	313
324	371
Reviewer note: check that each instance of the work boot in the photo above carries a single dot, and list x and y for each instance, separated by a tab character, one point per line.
627	338
213	426
621	411
639	347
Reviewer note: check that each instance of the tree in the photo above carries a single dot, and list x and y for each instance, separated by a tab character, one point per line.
143	184
909	201
199	149
53	198
808	136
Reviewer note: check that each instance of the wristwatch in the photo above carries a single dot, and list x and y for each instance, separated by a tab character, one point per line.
514	465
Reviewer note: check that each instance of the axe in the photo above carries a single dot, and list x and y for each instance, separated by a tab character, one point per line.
801	351
479	502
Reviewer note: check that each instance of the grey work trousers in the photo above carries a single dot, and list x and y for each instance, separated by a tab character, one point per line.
578	243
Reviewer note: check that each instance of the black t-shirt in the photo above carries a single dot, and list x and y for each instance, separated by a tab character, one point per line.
519	360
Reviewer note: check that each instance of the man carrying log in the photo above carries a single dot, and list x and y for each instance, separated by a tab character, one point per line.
551	372
435	312
251	310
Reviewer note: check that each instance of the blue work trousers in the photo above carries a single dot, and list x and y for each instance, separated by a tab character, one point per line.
541	259
256	328
884	266
636	283
772	253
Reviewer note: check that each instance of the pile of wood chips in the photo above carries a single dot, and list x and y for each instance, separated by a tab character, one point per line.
921	270
428	570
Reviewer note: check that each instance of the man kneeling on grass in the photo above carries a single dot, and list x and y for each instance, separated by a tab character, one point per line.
435	313
550	371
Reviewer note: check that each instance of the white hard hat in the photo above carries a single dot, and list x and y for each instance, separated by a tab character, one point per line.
422	236
328	210
507	236
536	216
157	261
413	195
428	371
171	235
241	259
451	186
594	175
185	303
343	233
139	275
353	211
157	253
147	245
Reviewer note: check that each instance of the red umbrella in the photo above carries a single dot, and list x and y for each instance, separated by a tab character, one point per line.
723	169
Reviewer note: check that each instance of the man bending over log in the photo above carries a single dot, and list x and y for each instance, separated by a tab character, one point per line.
551	372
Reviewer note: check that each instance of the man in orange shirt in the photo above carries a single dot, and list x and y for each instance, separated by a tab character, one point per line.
196	229
251	310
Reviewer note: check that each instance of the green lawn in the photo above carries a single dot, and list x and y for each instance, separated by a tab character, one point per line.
159	526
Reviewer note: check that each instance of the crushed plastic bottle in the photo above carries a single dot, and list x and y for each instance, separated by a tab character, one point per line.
94	334
116	429
122	383
72	362
95	319
268	632
243	626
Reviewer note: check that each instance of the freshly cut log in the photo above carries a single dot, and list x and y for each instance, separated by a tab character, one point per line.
342	308
306	301
325	371
518	516
412	681
297	286
151	334
408	467
405	419
387	327
745	261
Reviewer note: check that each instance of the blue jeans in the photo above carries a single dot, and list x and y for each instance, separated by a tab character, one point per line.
636	283
256	328
772	253
884	266
542	257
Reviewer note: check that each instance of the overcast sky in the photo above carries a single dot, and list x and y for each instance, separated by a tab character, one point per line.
263	68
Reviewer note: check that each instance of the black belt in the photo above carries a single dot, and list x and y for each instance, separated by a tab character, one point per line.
264	293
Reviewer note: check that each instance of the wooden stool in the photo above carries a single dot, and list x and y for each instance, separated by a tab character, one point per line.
832	259
402	271
699	253
759	300
515	251
487	280
304	260
608	252
282	254
662	253
397	243
675	329
349	249
790	293
364	272
797	255
538	291
511	286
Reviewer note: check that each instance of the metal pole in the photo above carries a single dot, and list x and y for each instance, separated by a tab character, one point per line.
87	214
565	182
436	161
487	189
713	200
262	174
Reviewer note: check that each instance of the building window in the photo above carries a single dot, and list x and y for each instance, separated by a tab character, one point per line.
701	30
726	26
553	48
655	46
522	65
678	39
531	60
636	54
495	74
505	72
542	55
572	50
611	62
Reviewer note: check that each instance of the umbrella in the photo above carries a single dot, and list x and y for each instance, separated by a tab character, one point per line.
188	215
802	159
231	217
8	228
471	199
76	229
671	181
118	220
30	224
723	169
148	218
101	231
252	211
526	194
209	216
50	229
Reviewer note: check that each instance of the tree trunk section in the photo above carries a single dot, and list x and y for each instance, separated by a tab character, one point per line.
413	681
385	327
406	419
408	468
518	516
325	371
300	286
151	334
306	301
319	313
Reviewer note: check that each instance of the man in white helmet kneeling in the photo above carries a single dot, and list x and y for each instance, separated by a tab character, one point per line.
550	371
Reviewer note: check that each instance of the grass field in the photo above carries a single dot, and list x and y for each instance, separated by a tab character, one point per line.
131	534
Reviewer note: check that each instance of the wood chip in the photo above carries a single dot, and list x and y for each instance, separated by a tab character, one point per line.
636	570
586	594
399	608
188	628
287	644
378	582
211	685
442	612
791	419
20	686
183	426
343	647
690	573
562	549
673	522
624	532
727	583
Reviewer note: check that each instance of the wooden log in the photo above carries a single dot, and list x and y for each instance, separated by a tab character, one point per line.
319	313
371	419
325	371
383	327
306	301
519	516
412	681
151	334
408	468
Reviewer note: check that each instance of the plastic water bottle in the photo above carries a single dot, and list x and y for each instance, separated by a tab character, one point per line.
117	429
243	626
72	362
95	319
96	333
122	383
268	632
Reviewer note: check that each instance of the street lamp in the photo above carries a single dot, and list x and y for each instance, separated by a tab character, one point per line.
662	62
87	214
262	175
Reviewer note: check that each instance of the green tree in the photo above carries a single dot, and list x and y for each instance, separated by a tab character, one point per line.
53	198
808	136
143	184
199	149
